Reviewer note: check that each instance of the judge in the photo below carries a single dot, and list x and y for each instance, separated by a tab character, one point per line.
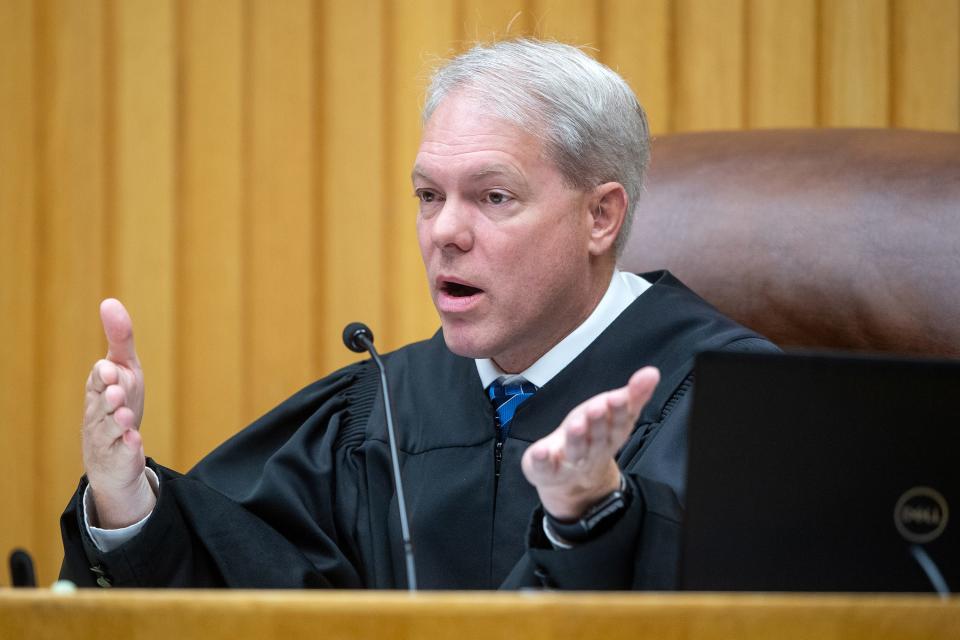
541	432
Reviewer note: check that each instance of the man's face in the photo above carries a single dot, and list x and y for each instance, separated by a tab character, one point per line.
505	242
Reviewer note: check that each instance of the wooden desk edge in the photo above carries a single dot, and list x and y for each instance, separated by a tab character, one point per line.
464	615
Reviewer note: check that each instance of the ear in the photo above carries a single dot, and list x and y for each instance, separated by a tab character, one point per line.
608	209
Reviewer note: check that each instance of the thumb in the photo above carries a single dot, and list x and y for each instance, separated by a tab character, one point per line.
118	328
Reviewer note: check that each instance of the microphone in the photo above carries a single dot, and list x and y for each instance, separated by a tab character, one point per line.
358	337
21	569
353	332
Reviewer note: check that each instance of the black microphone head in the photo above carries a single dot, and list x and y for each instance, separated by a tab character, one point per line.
352	333
21	569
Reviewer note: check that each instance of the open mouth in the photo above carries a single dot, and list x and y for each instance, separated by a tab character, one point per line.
458	290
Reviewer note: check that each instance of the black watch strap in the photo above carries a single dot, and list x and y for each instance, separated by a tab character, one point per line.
598	519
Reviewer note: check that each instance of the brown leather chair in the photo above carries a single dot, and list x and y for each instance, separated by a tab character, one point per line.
842	238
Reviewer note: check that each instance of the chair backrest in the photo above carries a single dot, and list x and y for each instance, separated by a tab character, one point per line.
833	238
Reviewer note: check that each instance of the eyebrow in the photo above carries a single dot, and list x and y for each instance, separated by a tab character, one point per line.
417	173
483	172
496	169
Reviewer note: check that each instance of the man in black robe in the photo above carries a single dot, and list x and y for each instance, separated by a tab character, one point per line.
526	459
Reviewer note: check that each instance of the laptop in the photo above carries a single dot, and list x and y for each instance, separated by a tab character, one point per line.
823	472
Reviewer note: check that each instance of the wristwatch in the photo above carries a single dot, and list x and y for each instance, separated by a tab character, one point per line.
598	519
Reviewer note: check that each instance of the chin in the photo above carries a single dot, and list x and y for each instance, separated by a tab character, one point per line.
463	342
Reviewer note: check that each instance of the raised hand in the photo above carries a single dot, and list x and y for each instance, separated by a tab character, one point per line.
573	468
112	448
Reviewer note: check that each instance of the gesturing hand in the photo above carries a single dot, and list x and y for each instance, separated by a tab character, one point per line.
112	448
573	468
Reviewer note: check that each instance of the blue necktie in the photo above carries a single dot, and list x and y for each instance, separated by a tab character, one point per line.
507	393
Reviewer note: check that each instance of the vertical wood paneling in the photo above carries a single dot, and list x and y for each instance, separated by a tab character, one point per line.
211	155
71	248
708	50
421	32
18	427
279	277
143	263
781	42
855	80
351	230
490	20
572	21
635	36
926	64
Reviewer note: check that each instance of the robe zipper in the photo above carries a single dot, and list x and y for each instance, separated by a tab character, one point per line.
497	458
497	461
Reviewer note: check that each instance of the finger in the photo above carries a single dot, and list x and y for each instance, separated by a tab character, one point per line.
641	387
97	407
124	418
596	444
618	405
113	398
107	431
575	442
118	328
111	429
627	402
132	439
596	410
103	374
540	459
621	419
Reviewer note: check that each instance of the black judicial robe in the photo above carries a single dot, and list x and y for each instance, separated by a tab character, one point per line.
304	496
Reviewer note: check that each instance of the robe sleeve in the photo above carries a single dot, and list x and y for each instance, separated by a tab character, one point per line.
642	550
210	528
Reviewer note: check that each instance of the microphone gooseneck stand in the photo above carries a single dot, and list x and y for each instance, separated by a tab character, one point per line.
358	338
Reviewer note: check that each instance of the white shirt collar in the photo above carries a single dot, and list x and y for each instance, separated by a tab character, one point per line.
623	290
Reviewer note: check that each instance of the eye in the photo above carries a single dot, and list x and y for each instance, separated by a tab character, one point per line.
427	196
497	197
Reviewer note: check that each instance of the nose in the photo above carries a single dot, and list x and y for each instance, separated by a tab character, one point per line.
451	229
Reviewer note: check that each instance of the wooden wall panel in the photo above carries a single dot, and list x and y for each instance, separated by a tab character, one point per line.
209	358
636	40
351	177
420	34
143	253
237	171
18	247
926	64
490	20
573	21
855	84
781	57
278	276
71	246
708	41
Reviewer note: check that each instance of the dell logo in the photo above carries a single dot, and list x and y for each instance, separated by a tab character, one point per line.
921	515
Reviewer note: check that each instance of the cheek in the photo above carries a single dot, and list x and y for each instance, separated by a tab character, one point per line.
550	247
529	266
423	237
554	263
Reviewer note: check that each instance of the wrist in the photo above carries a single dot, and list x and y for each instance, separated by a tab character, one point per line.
598	519
119	509
569	504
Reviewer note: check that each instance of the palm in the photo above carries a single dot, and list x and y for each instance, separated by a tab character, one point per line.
574	467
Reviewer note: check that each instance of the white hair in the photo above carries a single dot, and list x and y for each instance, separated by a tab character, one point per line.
592	126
